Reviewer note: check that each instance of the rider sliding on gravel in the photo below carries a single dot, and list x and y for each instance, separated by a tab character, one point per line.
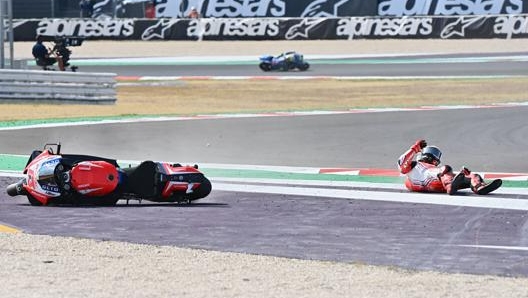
426	175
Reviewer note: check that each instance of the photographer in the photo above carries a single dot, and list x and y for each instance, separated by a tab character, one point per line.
43	56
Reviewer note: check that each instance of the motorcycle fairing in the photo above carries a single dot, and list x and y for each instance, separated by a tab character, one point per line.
40	178
266	58
179	179
71	159
94	178
159	179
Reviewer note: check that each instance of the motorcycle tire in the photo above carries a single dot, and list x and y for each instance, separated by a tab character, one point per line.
33	201
265	66
304	66
203	191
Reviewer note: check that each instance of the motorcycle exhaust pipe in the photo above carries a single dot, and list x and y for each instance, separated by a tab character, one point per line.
16	189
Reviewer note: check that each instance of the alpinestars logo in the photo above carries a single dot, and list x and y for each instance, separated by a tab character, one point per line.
323	9
302	29
459	26
313	14
16	23
157	31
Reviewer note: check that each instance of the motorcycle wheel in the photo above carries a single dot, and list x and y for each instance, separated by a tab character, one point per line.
304	66
265	66
33	201
203	191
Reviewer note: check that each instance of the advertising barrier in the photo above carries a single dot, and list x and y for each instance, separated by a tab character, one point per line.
244	8
453	27
450	7
103	9
312	8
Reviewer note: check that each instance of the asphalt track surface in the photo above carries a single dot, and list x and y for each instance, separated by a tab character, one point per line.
408	235
477	138
495	64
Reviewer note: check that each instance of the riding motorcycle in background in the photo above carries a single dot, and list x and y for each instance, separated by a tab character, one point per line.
284	62
54	178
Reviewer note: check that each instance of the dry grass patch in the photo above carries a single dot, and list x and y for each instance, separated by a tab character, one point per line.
232	96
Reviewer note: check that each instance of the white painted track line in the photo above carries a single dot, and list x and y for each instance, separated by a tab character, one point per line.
494	201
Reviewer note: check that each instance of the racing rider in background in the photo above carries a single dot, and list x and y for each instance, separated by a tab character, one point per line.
421	165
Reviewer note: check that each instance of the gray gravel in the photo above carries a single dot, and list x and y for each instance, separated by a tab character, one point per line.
44	266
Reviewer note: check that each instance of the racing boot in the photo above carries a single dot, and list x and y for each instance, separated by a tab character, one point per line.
453	183
480	187
458	183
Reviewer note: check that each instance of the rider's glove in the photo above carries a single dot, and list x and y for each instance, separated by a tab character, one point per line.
417	147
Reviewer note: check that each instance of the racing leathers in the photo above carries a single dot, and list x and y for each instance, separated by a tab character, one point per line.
423	176
426	175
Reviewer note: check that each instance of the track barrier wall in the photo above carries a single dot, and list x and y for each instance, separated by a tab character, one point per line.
34	86
27	9
348	28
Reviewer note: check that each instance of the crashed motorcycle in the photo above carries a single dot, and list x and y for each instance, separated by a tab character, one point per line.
284	62
54	178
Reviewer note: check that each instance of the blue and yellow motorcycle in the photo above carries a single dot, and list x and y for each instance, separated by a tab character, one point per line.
284	62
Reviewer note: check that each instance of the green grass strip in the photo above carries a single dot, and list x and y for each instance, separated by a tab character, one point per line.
17	163
233	173
17	123
13	162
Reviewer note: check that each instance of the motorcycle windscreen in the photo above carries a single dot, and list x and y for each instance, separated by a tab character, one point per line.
94	178
46	177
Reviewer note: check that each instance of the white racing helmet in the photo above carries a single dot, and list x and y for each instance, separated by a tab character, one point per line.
432	153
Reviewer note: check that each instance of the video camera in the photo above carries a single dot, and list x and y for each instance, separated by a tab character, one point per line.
67	41
61	44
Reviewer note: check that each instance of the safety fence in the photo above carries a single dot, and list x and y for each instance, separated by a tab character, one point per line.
34	86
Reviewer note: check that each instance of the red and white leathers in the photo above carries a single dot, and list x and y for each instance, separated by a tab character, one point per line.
423	176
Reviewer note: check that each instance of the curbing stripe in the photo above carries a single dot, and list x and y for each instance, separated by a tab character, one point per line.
395	173
10	164
7	229
492	202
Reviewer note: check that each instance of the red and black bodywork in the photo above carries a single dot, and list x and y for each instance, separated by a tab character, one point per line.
55	178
